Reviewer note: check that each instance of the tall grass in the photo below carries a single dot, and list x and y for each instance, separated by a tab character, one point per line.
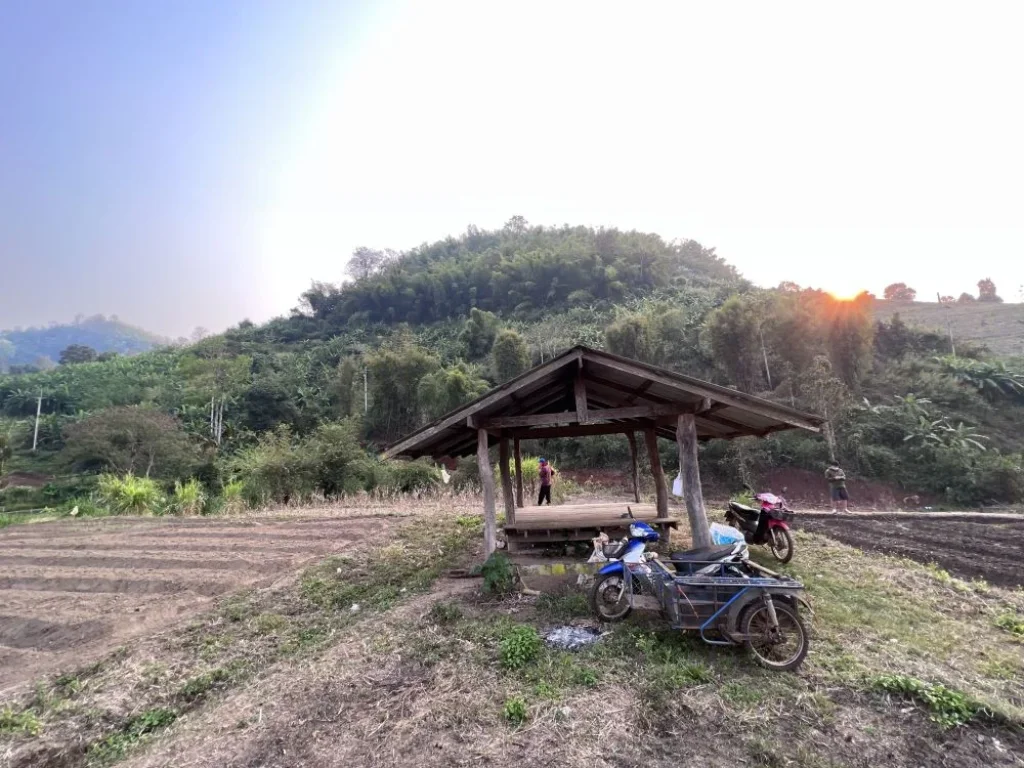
130	495
189	498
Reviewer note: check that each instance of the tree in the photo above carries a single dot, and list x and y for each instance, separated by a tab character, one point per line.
509	355
6	451
630	336
732	330
395	373
987	291
966	298
946	300
899	292
134	439
478	334
77	353
516	226
364	262
6	353
445	390
850	338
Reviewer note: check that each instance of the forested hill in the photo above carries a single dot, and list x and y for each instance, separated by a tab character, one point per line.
42	346
281	409
519	272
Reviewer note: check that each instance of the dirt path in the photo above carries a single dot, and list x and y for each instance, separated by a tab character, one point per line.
70	592
993	551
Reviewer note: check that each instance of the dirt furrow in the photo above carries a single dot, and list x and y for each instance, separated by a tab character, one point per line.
129	562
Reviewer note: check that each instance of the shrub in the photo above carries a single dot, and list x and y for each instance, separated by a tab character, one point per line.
406	476
520	645
497	573
130	495
188	498
232	496
1012	623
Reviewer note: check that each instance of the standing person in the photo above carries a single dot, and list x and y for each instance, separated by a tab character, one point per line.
837	486
546	473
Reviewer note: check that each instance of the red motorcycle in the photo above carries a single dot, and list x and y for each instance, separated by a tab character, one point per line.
766	525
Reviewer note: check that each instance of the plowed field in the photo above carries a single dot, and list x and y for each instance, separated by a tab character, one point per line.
69	593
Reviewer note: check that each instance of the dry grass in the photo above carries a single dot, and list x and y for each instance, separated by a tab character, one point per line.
1000	327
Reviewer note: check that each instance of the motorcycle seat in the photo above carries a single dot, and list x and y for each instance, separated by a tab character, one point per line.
702	555
743	510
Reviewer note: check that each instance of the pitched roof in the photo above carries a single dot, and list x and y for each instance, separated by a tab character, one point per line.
616	394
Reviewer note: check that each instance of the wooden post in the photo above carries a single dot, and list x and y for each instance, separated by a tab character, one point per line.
506	479
686	438
487	481
519	472
634	466
661	492
579	389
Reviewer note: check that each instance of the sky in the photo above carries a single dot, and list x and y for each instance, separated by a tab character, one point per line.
194	163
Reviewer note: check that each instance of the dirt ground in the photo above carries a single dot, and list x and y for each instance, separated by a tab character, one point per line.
990	551
70	593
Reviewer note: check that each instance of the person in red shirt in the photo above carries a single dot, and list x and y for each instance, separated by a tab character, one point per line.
547	473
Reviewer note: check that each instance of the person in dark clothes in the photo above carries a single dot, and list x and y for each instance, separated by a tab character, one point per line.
837	486
547	473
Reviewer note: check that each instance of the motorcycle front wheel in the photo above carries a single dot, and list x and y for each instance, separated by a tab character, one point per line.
780	542
609	599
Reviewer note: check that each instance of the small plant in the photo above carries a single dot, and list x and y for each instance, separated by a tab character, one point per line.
497	573
520	645
129	495
947	708
197	687
188	498
515	710
12	722
1012	623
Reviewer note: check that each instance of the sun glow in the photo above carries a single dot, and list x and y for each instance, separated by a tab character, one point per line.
845	294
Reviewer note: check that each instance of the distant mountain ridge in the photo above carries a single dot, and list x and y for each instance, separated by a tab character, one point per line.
998	326
26	346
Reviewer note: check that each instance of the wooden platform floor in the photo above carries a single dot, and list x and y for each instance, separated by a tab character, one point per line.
565	523
577	515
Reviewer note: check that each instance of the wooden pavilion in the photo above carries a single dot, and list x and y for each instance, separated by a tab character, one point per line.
585	392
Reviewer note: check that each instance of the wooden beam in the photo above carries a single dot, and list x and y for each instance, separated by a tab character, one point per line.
579	391
634	466
686	439
506	479
494	396
633	392
661	492
570	417
519	471
487	481
576	430
703	389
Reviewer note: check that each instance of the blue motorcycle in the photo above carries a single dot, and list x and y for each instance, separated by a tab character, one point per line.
716	591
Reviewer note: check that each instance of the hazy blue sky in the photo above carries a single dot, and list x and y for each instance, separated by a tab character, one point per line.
196	162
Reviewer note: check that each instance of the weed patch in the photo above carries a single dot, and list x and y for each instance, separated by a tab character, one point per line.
946	707
16	723
116	745
1012	623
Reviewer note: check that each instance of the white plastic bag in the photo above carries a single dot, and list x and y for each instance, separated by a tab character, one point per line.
677	485
725	534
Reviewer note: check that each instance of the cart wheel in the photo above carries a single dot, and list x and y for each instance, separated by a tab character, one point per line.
783	649
780	542
608	598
